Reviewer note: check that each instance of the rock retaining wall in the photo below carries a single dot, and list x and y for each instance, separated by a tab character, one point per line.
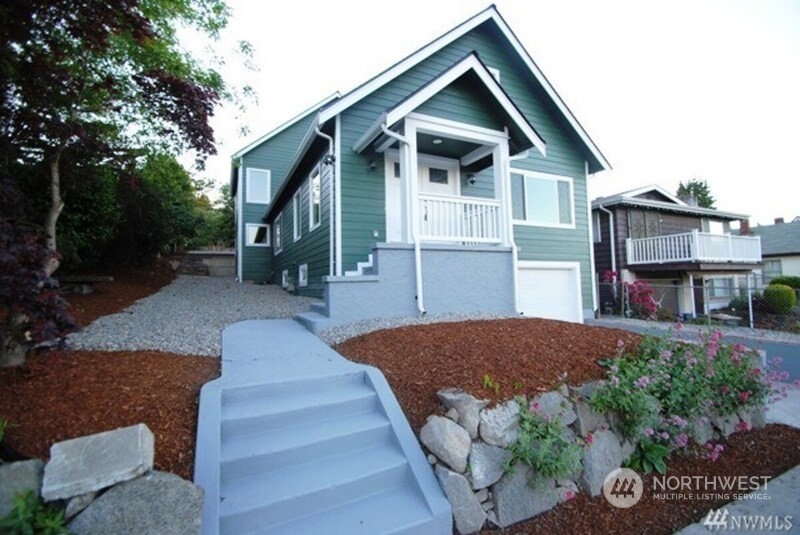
469	451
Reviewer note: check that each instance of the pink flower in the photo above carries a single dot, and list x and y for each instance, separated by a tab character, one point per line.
742	426
681	440
744	396
678	326
649	432
570	494
589	438
620	344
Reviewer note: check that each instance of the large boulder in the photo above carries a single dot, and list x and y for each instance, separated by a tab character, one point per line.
468	512
588	420
157	503
448	441
603	455
21	476
486	464
517	496
468	407
500	425
97	461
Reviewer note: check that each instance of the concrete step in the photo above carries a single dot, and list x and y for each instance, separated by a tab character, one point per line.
319	307
324	482
313	321
243	456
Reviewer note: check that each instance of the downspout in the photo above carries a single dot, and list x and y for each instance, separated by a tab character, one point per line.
329	160
514	249
417	251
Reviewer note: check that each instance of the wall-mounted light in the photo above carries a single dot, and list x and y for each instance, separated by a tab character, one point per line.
471	178
373	165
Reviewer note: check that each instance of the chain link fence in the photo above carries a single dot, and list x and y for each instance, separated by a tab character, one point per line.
722	301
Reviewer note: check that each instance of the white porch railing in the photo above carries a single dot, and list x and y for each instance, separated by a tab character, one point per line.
693	246
459	219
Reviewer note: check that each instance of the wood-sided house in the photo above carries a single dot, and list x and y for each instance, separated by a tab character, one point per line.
649	234
453	181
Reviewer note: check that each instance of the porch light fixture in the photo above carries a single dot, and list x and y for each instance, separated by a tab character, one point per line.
471	178
437	141
373	165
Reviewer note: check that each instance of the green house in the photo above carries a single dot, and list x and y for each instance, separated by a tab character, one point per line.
455	181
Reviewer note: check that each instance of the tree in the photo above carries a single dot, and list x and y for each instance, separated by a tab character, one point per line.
699	190
104	78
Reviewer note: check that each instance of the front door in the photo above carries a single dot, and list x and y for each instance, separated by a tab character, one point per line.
438	176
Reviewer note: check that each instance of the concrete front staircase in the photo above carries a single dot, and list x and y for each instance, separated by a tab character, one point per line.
293	438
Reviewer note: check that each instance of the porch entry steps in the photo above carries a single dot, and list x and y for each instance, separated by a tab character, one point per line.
362	268
308	444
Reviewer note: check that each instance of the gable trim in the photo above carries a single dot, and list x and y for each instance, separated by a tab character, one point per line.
432	88
657	189
423	53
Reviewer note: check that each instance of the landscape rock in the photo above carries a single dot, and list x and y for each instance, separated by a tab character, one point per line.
156	503
603	455
468	513
588	420
517	498
725	424
566	490
94	462
448	441
486	464
586	389
754	417
78	503
701	430
452	414
17	477
469	408
499	426
552	405
482	495
628	447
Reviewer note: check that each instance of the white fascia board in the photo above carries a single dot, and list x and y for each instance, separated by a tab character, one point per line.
478	154
274	132
423	53
657	189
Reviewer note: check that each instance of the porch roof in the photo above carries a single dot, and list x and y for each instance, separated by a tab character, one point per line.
521	132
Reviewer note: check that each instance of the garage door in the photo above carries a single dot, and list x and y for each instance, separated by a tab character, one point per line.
550	290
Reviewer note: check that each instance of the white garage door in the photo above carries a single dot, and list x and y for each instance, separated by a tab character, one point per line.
550	290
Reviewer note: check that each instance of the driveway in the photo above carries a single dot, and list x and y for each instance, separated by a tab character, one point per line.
187	316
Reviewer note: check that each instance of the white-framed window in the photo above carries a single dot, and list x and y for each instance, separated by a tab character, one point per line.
314	199
597	231
302	275
297	221
257	235
721	288
771	269
277	228
259	187
542	199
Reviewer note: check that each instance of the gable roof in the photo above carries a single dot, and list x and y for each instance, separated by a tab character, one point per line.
779	239
275	131
674	204
470	63
489	14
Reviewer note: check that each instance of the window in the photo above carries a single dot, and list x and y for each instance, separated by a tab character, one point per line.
437	176
597	230
721	288
772	269
302	275
296	219
258	186
278	229
257	235
541	199
314	205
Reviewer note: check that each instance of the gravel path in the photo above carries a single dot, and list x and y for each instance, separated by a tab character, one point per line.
188	316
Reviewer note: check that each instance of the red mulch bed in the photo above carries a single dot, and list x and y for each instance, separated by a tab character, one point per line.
60	395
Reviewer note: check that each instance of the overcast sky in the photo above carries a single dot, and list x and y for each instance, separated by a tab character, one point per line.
669	91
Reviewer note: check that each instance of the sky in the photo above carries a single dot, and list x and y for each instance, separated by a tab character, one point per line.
668	90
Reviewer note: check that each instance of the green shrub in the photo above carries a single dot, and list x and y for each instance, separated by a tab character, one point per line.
780	298
793	282
32	516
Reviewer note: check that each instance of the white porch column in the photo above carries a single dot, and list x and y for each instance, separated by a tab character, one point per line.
502	190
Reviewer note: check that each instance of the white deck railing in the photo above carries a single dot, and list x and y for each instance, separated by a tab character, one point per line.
459	219
693	246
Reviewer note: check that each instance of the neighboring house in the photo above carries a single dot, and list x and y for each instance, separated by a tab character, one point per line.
649	234
780	247
453	181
